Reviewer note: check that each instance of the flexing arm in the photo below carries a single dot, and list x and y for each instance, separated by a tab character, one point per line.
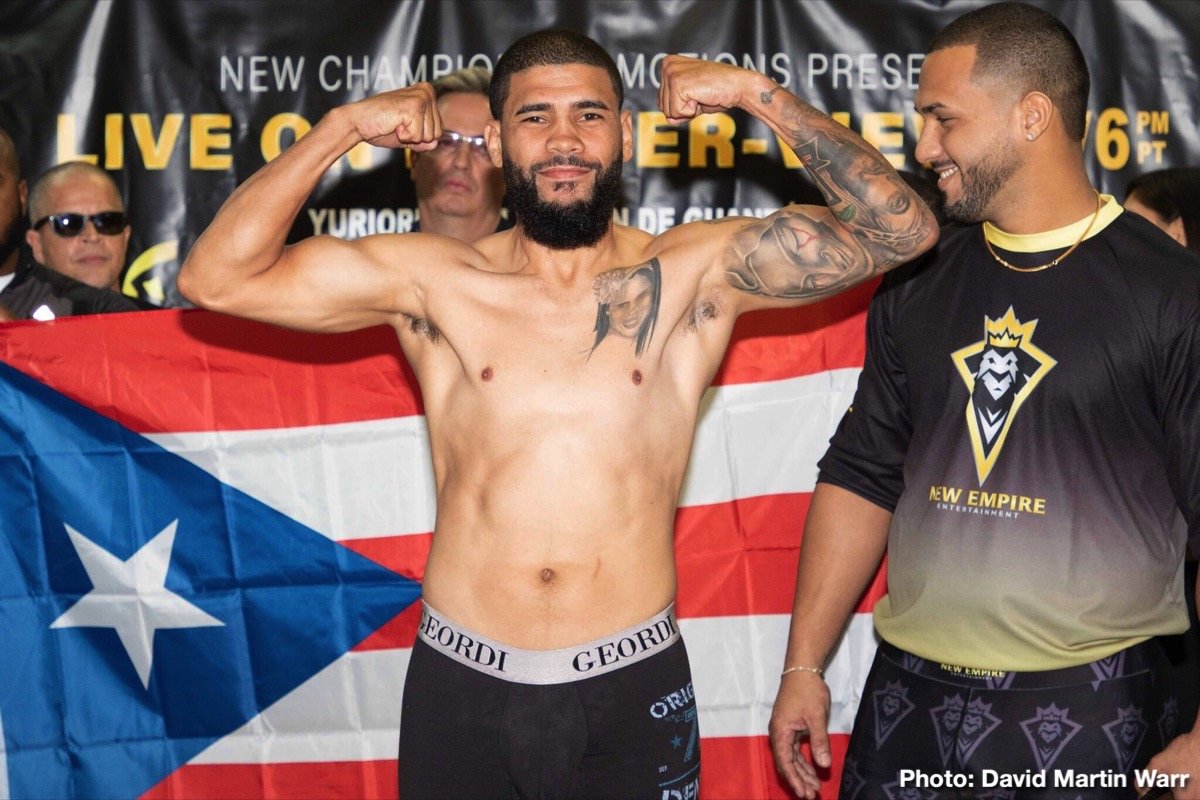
844	540
241	265
872	222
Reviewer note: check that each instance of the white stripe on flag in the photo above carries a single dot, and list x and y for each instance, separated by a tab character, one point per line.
353	480
350	711
756	439
369	479
736	663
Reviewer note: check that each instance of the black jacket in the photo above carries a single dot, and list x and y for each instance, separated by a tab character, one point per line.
34	287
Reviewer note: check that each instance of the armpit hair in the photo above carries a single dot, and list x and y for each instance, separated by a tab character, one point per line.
423	328
703	311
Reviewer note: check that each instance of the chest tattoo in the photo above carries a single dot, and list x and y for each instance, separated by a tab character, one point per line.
627	303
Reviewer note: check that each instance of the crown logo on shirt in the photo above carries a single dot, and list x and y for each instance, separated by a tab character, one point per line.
1007	331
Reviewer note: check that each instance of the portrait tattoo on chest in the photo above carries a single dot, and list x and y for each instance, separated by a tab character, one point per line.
627	303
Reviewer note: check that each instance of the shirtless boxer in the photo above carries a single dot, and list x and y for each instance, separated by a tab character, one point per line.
562	365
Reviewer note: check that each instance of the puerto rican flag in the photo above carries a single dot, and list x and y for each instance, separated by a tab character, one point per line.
214	534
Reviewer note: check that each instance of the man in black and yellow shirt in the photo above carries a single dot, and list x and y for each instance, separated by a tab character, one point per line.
1025	442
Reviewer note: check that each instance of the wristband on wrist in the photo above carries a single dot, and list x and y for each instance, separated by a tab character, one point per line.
820	673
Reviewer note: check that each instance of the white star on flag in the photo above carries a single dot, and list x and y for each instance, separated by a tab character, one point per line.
131	597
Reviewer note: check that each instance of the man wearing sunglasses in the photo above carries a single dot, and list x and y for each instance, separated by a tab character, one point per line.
27	289
459	190
79	224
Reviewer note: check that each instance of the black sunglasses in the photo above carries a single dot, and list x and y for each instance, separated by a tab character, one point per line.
108	223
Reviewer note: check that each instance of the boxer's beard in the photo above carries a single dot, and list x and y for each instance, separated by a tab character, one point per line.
564	226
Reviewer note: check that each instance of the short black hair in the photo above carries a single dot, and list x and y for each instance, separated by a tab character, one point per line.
545	47
1172	194
1031	50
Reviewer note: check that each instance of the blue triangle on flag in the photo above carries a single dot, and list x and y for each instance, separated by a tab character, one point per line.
76	719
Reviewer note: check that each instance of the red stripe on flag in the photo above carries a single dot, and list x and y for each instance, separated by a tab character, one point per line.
733	558
740	557
790	342
195	370
741	767
403	554
319	780
399	632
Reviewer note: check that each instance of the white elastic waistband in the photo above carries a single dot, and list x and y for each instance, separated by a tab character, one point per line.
543	667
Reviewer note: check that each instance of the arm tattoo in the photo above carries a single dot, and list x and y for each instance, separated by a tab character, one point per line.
795	255
880	222
765	97
627	301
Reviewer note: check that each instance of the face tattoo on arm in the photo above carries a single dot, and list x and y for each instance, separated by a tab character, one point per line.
797	255
627	304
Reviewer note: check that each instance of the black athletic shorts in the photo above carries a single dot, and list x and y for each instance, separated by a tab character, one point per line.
610	718
926	729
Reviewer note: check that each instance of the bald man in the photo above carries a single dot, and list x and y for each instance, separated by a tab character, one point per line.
79	224
27	289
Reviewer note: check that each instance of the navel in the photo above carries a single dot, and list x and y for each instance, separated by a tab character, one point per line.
547	575
486	374
636	376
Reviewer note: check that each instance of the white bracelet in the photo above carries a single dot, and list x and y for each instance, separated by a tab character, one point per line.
820	673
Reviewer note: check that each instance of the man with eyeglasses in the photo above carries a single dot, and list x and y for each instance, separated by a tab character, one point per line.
29	290
79	224
459	191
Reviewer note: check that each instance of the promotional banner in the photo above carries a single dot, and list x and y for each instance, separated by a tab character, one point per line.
217	483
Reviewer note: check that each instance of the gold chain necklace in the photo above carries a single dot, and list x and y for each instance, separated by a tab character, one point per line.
1055	262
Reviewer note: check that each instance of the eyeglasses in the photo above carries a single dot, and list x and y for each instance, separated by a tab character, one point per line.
108	223
450	141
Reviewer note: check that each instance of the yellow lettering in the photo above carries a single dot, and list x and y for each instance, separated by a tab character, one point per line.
884	131
271	141
1112	140
142	270
1039	505
156	153
114	141
210	132
1151	149
67	138
360	156
711	132
1158	123
1026	504
651	135
790	159
918	123
973	497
